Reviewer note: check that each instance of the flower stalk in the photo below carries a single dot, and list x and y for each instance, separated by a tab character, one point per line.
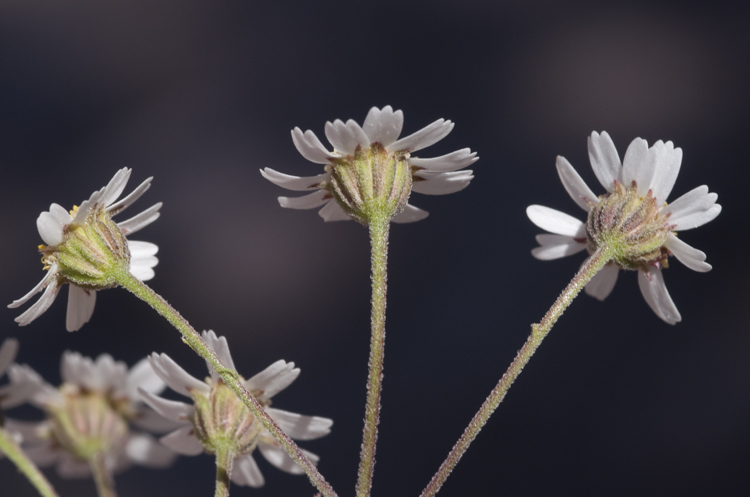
10	448
193	339
379	226
105	483
224	461
539	331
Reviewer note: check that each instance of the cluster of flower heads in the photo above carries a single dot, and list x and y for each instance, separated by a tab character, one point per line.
634	209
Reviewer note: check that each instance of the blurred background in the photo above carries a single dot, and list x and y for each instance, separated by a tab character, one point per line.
201	95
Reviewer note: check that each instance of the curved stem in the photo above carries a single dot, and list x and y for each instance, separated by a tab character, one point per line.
10	448
379	259
193	339
591	266
105	484
224	461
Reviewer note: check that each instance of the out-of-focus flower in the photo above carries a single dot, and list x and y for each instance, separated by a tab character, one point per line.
633	215
91	413
84	247
21	387
217	417
370	171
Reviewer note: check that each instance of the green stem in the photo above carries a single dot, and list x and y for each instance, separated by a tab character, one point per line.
10	448
105	484
379	259
193	339
593	264
224	461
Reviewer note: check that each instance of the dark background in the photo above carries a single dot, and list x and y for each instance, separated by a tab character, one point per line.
201	95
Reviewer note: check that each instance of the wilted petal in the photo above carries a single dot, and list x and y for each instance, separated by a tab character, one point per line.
655	292
80	307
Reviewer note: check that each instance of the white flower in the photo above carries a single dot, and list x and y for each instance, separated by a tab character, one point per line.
236	420
91	412
21	387
57	225
436	176
646	176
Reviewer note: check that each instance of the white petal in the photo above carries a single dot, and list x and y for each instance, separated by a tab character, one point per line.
149	420
43	455
639	165
310	147
145	451
691	257
128	201
693	209
667	165
140	221
220	346
346	137
383	126
175	377
183	441
51	274
143	376
170	409
8	352
41	305
423	138
245	472
29	430
142	259
603	282
301	427
310	201
140	250
556	246
604	159
80	307
410	214
656	295
296	183
333	212
72	468
574	185
51	225
450	162
555	221
436	183
24	384
281	460
115	187
143	273
273	379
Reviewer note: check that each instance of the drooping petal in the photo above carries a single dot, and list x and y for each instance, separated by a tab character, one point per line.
655	292
170	409
436	183
668	160
310	147
301	427
175	377
145	451
691	257
8	352
383	126
410	214
276	456
41	305
51	224
639	165
450	162
143	376
220	346
574	185
333	212
140	221
115	187
555	221
273	379
604	159
603	282
51	274
295	183
126	202
346	137
556	246
693	209
423	138
80	307
245	472
310	201
183	441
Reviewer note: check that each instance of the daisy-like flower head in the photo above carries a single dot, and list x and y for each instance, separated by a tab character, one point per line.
633	216
218	420
85	247
371	173
90	413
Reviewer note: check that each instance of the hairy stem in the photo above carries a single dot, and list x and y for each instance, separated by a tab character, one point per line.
593	264
10	448
379	259
105	484
224	461
193	339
